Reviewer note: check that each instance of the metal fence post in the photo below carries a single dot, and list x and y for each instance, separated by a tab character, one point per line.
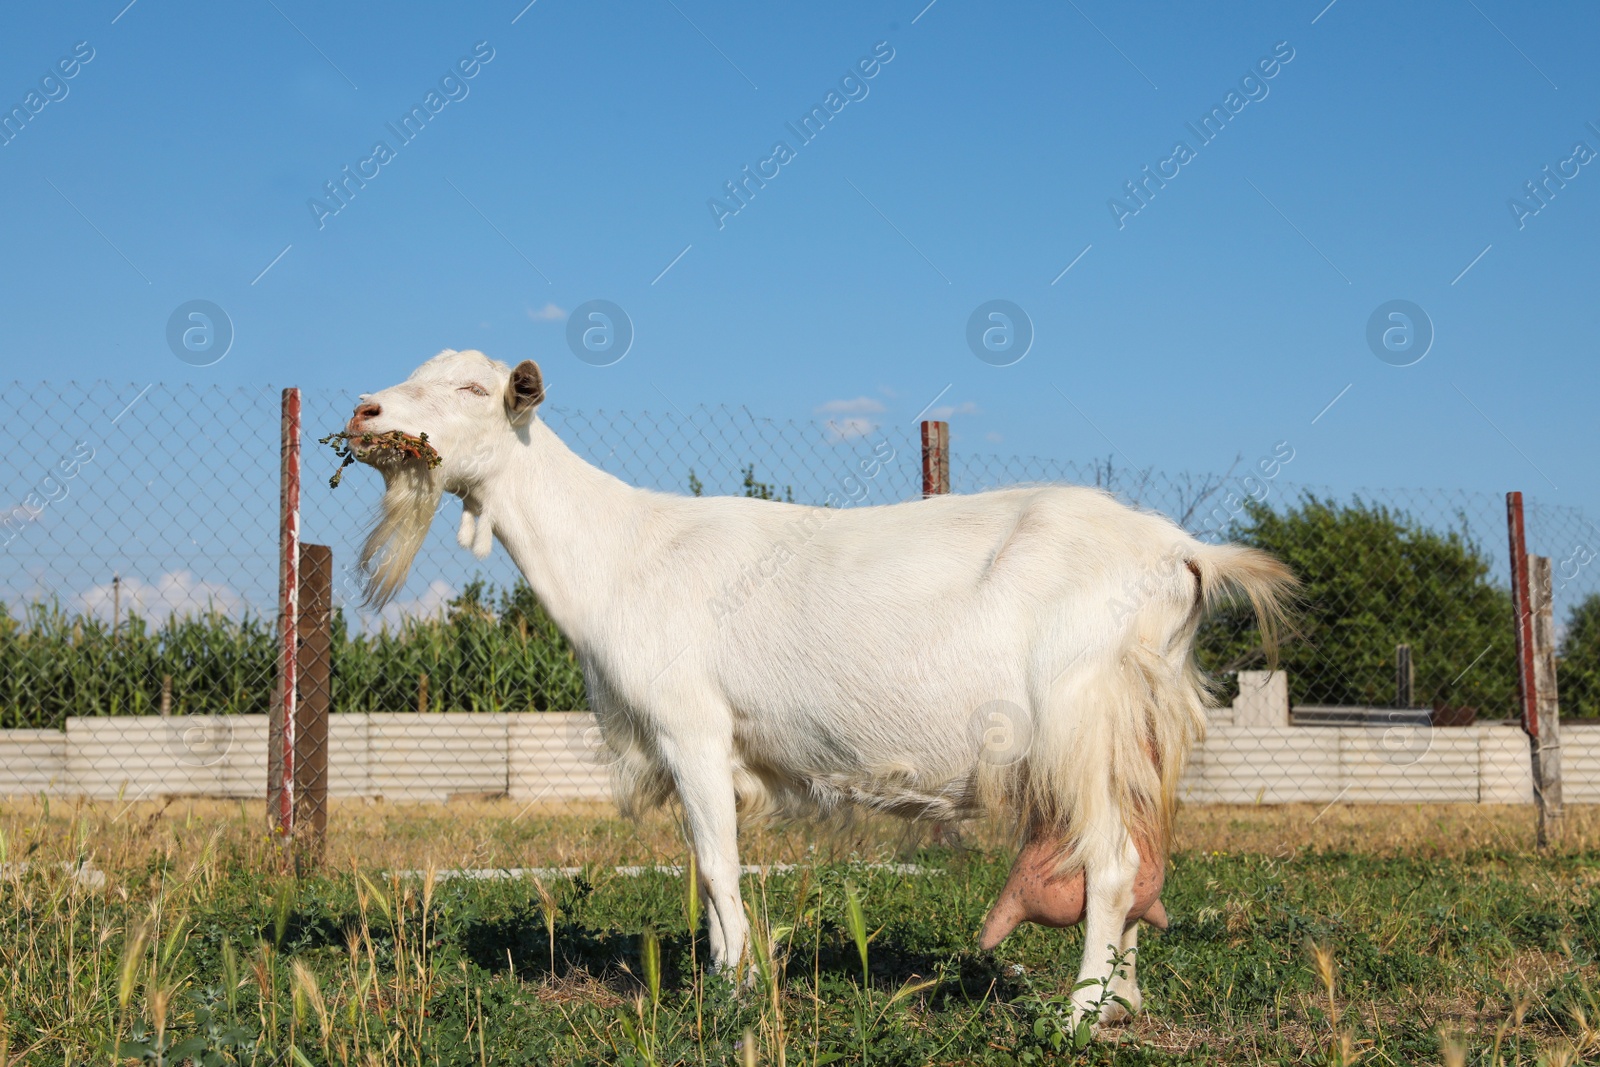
1405	677
281	719
314	670
1531	594
935	458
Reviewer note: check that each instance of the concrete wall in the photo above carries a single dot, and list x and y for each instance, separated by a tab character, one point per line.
559	756
1358	764
1263	699
395	756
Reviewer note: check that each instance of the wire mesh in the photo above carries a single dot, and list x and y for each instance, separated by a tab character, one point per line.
138	584
1401	681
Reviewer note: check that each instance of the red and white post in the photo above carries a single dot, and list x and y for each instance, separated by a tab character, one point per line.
1532	599
281	720
935	458
936	482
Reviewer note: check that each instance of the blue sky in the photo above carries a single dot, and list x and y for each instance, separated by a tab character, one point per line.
1376	164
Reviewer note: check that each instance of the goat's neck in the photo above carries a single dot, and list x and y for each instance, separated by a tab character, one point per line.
567	525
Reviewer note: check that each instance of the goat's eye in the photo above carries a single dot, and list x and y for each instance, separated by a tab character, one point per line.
477	390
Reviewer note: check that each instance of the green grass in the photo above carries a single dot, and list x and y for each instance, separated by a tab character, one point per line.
200	945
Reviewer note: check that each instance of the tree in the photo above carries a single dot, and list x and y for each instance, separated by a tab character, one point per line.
1375	578
752	488
761	490
1578	665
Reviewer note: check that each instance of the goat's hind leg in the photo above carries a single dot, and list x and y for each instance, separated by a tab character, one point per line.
1110	873
1125	999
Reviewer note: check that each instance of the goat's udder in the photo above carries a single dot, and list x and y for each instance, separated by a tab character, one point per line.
1035	893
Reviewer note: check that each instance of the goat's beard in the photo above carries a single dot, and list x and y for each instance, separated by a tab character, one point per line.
411	496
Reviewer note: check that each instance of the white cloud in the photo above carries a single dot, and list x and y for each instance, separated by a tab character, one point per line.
944	411
175	593
852	422
849	429
993	438
861	405
180	593
548	313
429	604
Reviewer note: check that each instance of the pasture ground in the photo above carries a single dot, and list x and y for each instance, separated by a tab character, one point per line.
1380	935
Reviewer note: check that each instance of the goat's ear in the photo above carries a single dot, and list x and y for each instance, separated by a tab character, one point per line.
525	390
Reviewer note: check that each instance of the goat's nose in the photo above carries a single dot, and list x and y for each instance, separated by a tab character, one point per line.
363	413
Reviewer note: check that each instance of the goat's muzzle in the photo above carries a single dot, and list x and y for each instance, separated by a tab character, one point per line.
363	413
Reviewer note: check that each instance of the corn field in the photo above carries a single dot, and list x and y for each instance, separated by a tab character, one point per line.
490	651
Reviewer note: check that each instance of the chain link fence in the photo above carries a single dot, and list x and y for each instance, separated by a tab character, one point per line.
138	599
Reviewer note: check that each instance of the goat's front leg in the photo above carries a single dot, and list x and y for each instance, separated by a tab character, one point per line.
704	777
1109	897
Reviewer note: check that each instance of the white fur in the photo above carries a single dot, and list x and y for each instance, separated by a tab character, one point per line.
761	655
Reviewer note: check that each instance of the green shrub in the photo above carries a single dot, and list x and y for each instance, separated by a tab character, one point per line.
1375	578
1578	670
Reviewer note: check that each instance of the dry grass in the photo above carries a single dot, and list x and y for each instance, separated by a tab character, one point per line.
498	833
1419	830
461	834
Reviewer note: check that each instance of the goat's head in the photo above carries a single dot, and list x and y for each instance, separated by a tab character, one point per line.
471	408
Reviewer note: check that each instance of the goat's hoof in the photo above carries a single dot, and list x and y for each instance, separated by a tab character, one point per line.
1117	1011
1104	1017
724	981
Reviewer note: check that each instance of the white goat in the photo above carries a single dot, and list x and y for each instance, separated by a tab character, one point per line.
859	665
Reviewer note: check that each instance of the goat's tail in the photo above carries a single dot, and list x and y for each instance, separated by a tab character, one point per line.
1237	570
1113	729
